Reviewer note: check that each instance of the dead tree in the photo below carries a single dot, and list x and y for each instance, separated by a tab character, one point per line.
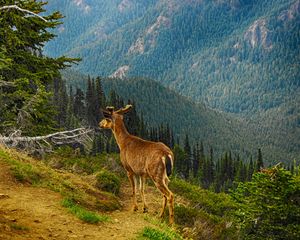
43	144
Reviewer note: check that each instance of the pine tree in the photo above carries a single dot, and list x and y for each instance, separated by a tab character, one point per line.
250	169
259	162
90	101
26	97
100	100
79	106
187	150
180	157
196	160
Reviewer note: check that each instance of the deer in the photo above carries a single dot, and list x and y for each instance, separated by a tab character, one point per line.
141	159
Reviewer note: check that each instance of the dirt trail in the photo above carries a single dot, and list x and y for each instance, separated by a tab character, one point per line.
28	212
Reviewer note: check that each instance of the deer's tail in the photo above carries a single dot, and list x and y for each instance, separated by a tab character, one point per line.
169	164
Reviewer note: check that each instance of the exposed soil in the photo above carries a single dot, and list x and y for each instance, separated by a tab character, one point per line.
28	212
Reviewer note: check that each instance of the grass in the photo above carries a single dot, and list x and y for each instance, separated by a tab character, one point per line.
164	232
64	158
207	215
154	234
19	227
218	204
28	170
83	214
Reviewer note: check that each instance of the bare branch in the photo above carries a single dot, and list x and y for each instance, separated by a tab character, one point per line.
6	84
43	144
22	10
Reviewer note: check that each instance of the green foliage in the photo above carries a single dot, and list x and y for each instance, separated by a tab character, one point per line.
208	214
162	230
269	205
203	51
83	214
26	173
154	234
19	227
184	215
27	75
218	204
108	182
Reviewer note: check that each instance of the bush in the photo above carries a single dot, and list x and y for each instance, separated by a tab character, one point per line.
269	205
108	182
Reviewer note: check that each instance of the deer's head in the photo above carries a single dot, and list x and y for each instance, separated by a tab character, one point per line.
112	117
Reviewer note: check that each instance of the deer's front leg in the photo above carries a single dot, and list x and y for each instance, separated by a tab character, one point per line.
142	190
133	185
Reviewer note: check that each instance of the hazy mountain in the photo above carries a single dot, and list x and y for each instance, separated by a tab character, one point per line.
238	56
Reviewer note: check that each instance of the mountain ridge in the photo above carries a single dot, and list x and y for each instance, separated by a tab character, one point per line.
199	48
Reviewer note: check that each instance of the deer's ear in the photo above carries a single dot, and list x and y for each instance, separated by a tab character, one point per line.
125	109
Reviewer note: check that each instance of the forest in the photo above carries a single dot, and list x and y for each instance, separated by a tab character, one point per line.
262	201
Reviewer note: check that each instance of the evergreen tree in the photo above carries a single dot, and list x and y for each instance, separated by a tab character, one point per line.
179	163
90	100
259	162
28	75
100	100
196	160
60	101
187	150
250	169
211	166
79	105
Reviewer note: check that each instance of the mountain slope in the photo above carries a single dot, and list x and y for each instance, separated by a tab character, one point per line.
35	211
220	130
237	56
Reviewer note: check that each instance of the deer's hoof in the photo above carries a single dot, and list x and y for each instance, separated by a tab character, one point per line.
135	208
145	210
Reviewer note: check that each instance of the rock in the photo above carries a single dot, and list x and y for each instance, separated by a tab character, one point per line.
3	196
37	221
74	236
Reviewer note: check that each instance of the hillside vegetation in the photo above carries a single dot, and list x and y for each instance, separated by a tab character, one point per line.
64	194
237	56
222	131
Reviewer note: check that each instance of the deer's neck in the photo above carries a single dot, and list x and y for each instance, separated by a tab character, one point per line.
121	134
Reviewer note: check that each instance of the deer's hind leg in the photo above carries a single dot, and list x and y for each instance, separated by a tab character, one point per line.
164	204
168	196
132	181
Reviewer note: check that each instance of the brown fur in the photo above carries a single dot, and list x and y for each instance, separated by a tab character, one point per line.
141	159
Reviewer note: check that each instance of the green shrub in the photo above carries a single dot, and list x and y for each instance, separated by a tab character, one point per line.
218	204
185	215
154	234
108	182
269	205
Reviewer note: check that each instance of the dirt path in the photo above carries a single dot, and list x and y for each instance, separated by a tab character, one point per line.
28	212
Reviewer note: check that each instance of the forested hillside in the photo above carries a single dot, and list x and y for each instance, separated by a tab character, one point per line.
160	105
70	183
237	56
